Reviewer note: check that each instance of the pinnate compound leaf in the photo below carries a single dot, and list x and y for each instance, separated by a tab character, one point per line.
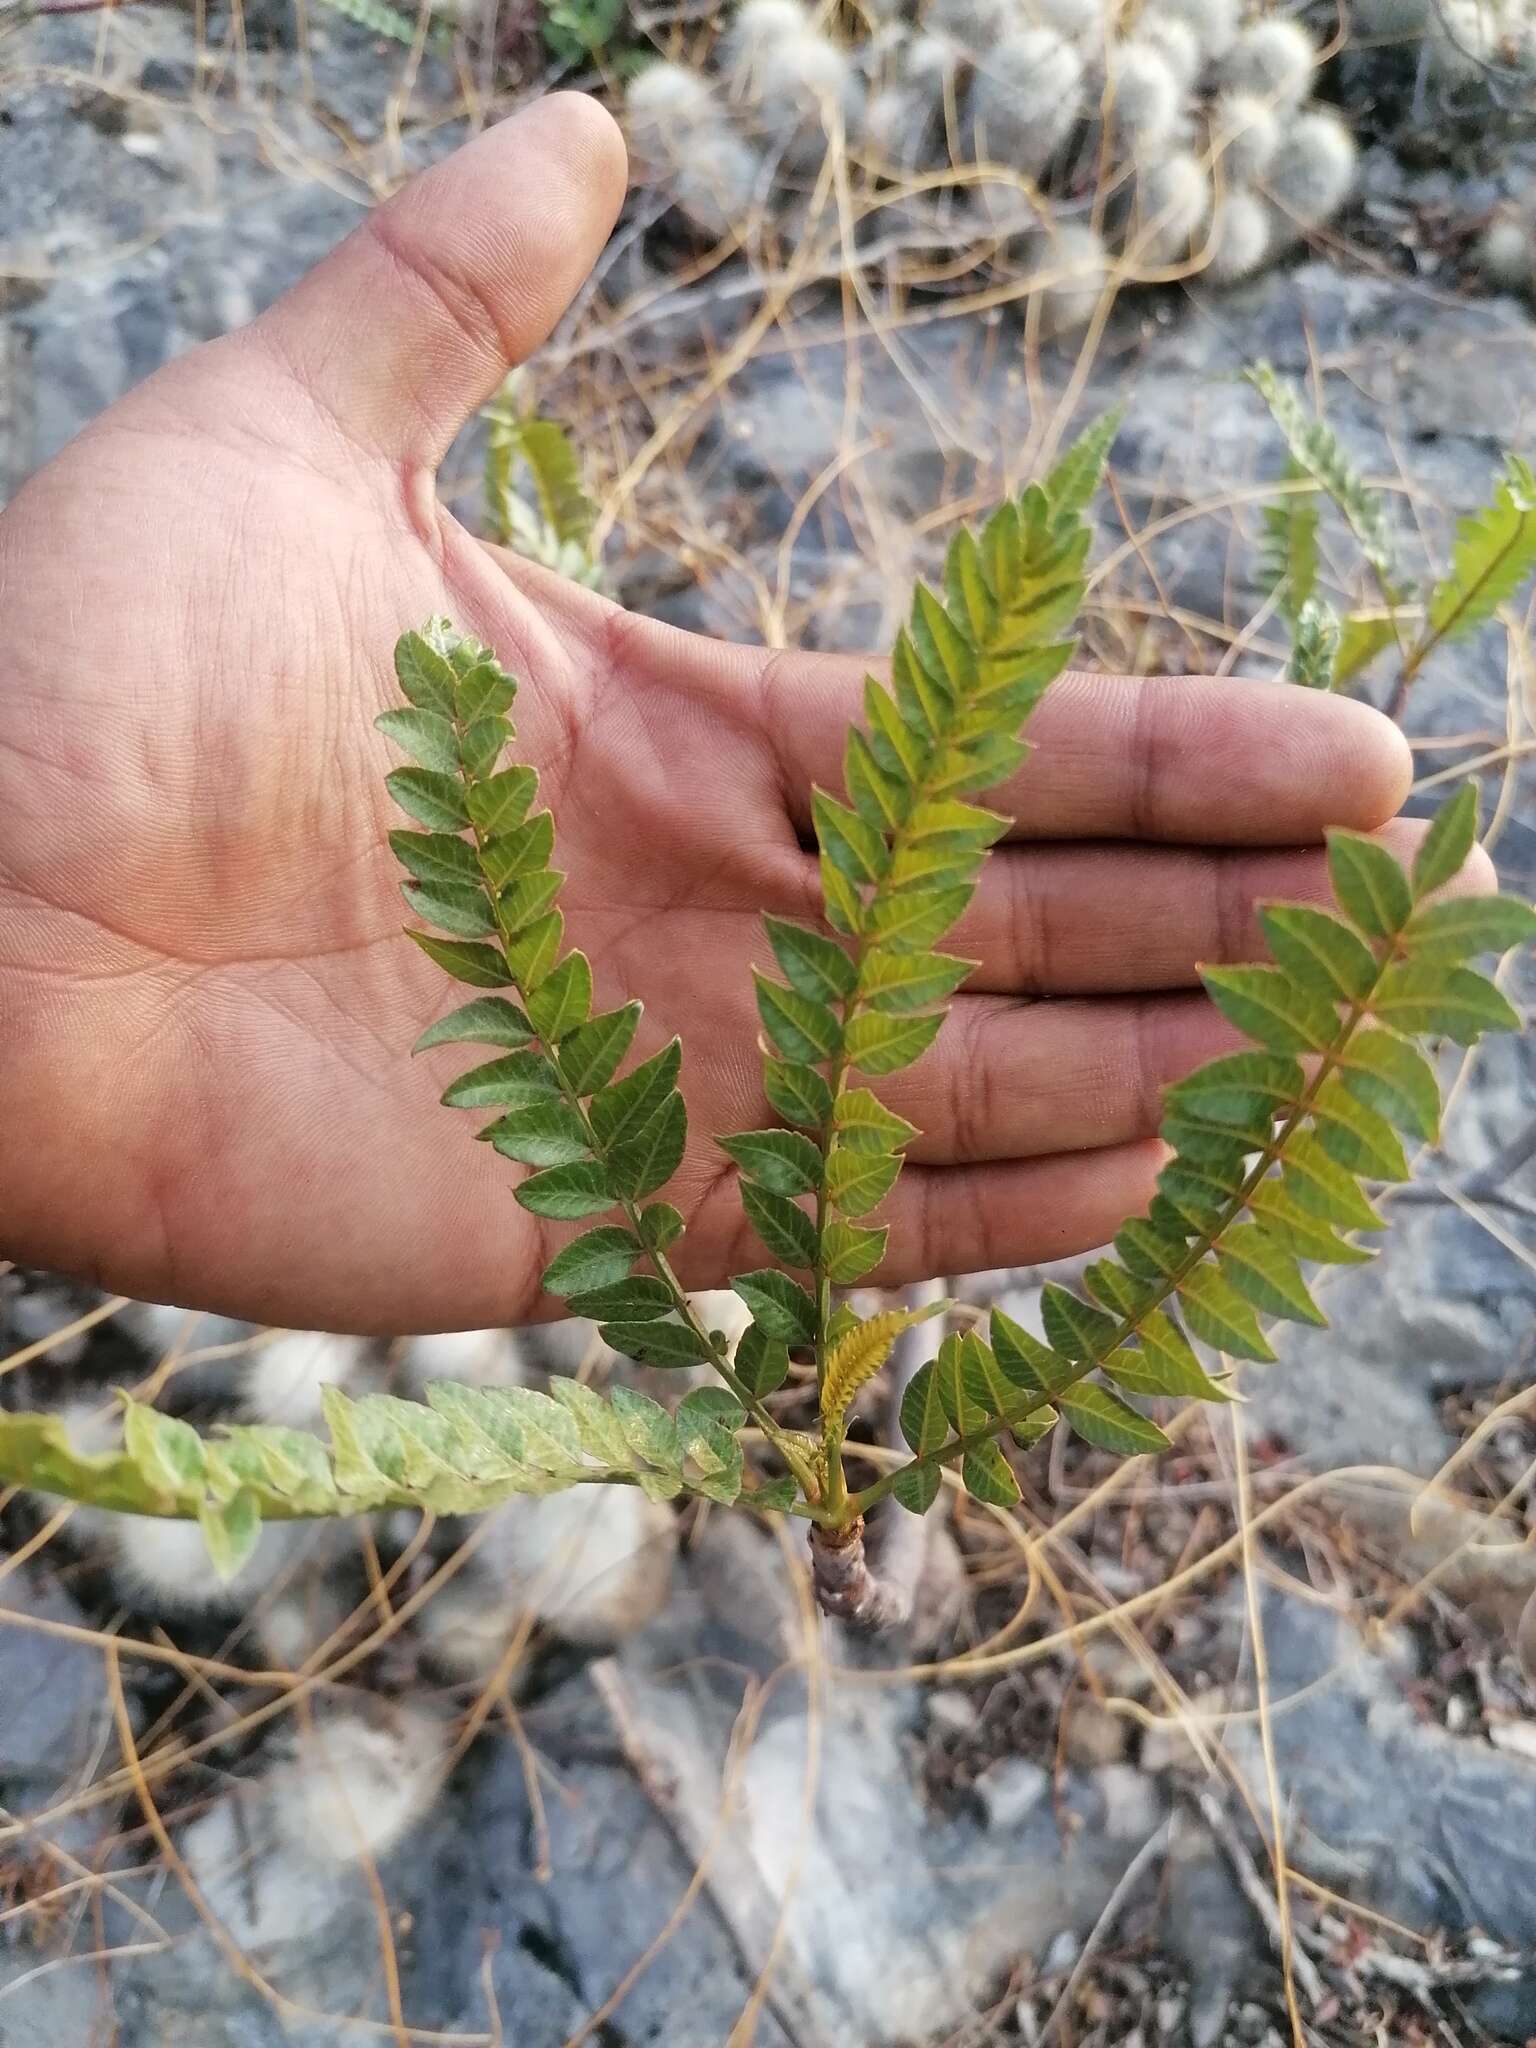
1031	1366
648	1429
1426	998
590	1055
883	1045
662	1344
515	1081
499	804
815	967
800	1030
797	1092
645	1161
988	1476
924	1423
638	1298
230	1531
624	1108
1267	1274
850	1251
1266	1004
563	999
533	949
783	1162
456	907
864	1124
1072	485
1390	1075
544	1134
524	850
1354	1135
1445	846
1319	950
787	1231
567	1193
598	1258
1075	1328
916	1487
1101	1418
1219	1316
1494	554
660	1225
1468	925
481	966
860	1181
1315	635
761	1361
430	797
779	1304
436	856
1370	885
424	673
489	1020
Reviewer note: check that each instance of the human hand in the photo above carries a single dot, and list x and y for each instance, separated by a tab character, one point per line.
205	1000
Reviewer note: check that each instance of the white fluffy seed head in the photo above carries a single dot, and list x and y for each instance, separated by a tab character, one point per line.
1241	237
470	1358
296	1622
1074	265
1078	22
1245	133
1310	174
1464	36
283	1380
1507	251
594	1565
264	1897
1026	98
92	1424
162	1329
1148	99
357	1782
466	1629
976	25
932	61
1214	23
1176	42
1173	204
714	181
1273	58
165	1566
663	98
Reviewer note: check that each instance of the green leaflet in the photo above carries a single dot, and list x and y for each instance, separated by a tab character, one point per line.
1315	451
1495	553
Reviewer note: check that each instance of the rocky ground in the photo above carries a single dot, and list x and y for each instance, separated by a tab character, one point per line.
1033	1817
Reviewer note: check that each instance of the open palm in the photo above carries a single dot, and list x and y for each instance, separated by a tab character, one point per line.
205	1002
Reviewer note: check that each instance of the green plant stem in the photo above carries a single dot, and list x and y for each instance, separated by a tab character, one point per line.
661	1265
1432	636
1272	1154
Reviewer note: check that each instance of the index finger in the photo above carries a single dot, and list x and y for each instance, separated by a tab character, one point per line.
1197	760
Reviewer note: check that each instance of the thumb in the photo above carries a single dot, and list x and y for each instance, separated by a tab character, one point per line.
415	319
